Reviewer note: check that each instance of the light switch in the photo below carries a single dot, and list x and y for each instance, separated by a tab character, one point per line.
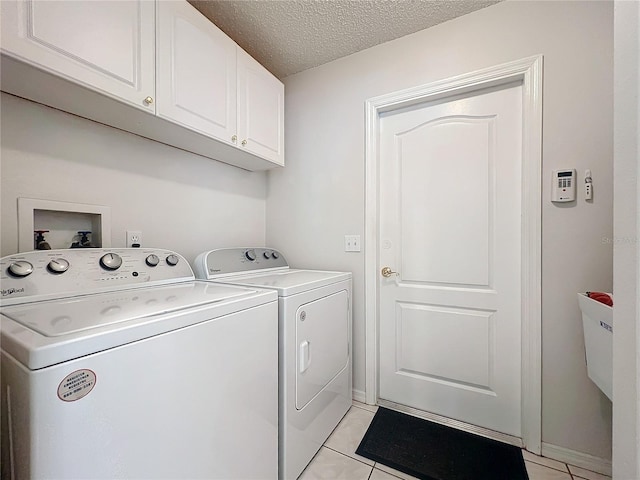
352	243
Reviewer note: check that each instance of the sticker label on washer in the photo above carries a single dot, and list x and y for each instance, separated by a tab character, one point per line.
76	385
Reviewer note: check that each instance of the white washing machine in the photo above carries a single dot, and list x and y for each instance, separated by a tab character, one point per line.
117	363
315	344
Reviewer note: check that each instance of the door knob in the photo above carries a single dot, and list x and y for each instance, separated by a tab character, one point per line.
387	272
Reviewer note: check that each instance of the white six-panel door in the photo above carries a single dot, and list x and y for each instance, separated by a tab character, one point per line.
450	226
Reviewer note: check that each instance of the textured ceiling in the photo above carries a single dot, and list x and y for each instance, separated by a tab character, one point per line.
289	36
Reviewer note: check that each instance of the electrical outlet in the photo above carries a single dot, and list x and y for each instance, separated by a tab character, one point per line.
134	238
352	243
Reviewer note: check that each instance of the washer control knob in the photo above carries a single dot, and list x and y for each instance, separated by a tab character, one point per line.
111	261
58	265
172	260
152	260
20	268
267	254
250	254
275	255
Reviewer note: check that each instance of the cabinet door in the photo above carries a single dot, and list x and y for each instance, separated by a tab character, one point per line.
260	110
196	71
105	45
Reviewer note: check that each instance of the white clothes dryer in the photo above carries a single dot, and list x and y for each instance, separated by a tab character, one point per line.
315	344
118	364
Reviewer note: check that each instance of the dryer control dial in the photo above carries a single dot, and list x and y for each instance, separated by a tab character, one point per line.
111	261
250	255
267	254
172	260
20	268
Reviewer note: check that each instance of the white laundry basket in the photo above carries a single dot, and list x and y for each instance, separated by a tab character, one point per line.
597	321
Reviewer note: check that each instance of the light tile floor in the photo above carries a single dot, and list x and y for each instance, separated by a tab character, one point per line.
337	459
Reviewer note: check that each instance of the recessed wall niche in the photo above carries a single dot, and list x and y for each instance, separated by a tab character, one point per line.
63	220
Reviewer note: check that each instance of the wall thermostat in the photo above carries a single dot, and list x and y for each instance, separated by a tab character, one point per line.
563	187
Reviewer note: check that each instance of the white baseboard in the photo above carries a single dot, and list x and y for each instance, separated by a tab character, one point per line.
358	396
579	459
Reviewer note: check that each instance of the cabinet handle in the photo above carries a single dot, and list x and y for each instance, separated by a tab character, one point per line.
234	139
148	100
244	143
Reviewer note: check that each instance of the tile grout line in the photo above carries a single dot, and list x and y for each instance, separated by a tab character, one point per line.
349	456
372	466
389	473
567	465
549	466
370	473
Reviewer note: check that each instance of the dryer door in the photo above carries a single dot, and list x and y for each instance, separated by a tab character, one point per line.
322	339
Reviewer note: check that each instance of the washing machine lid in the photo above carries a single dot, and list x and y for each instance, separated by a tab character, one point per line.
56	318
290	281
43	333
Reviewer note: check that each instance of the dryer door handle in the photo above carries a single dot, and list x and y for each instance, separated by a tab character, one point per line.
305	356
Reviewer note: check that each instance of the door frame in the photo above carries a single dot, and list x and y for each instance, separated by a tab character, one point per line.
529	72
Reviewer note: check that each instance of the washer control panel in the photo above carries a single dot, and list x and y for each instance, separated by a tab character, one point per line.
229	261
43	274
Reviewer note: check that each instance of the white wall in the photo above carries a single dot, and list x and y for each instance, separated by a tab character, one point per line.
319	196
626	280
178	200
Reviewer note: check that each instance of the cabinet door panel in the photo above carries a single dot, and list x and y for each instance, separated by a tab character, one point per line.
260	110
196	71
105	45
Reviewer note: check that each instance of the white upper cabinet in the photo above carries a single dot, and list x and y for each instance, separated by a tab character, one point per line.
106	45
159	69
209	84
260	110
196	71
